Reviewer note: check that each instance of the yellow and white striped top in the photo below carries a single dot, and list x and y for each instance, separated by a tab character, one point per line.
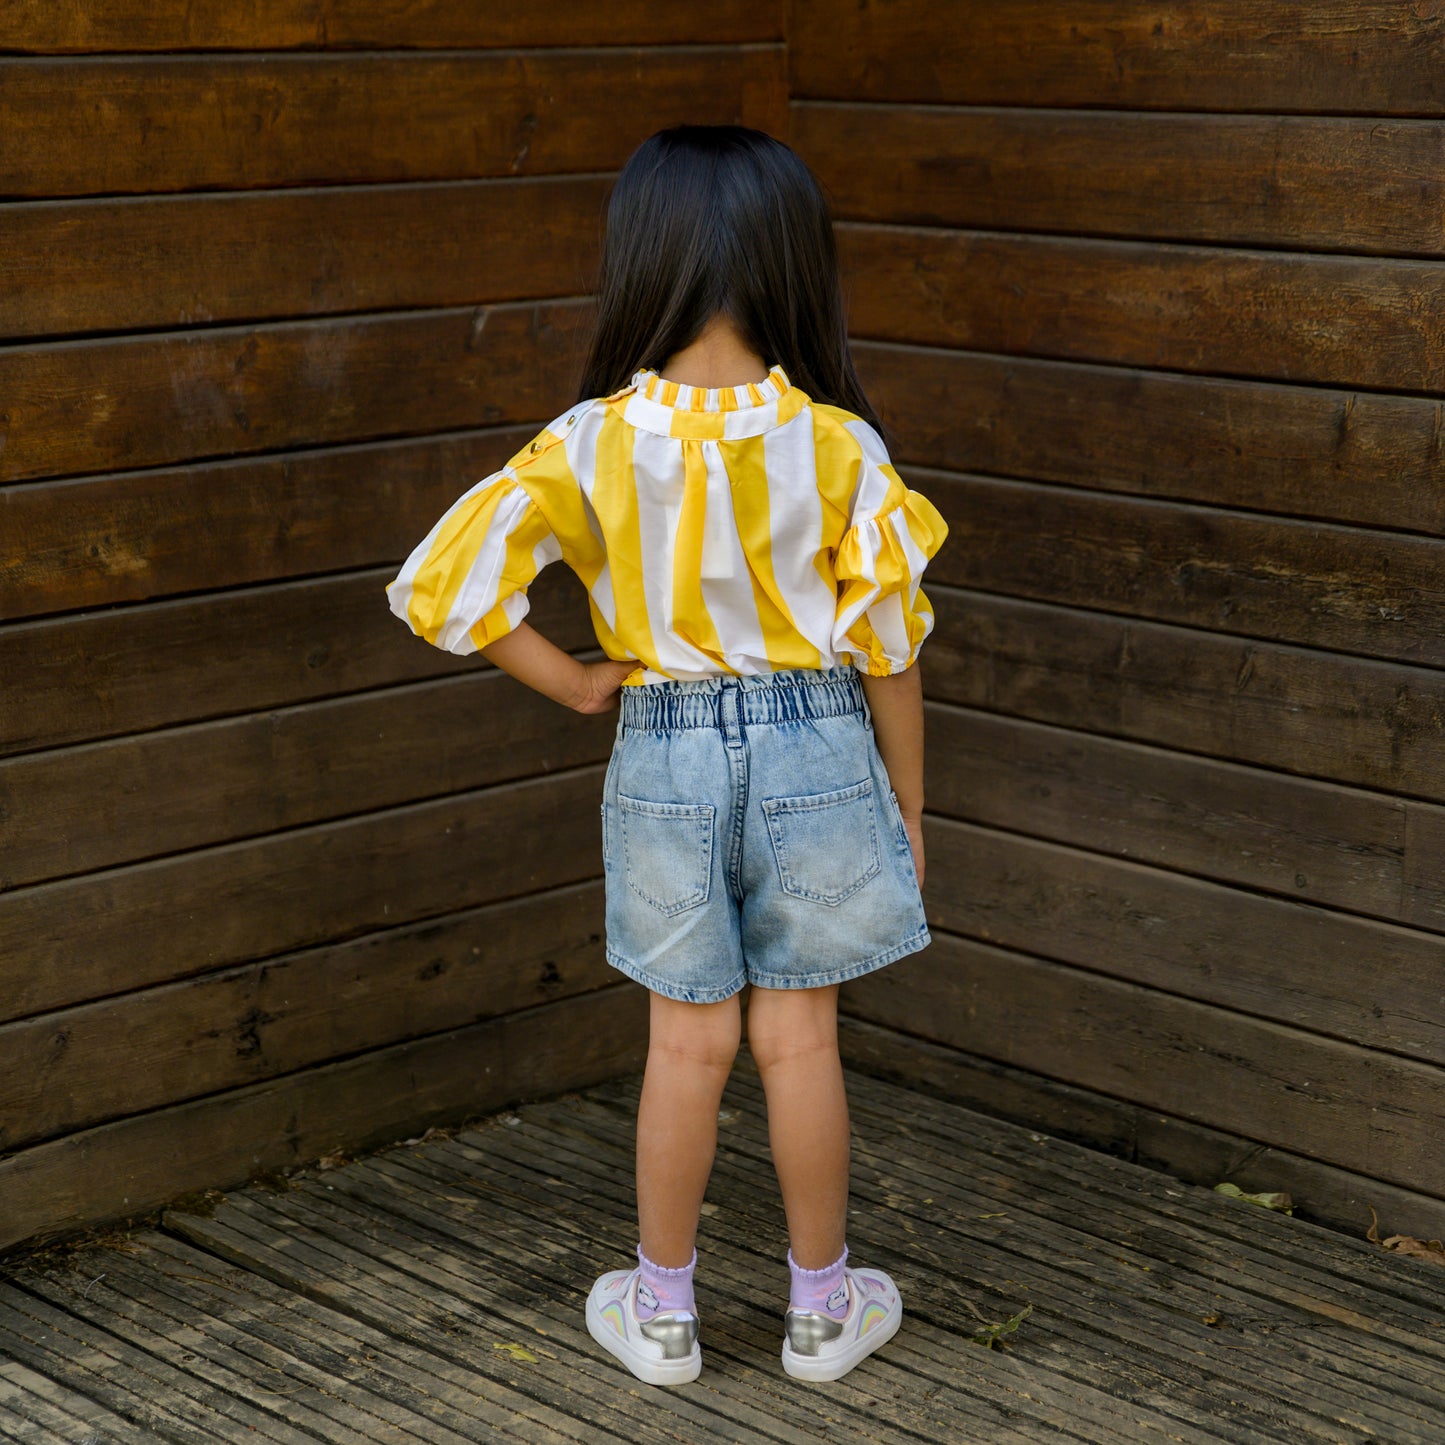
726	530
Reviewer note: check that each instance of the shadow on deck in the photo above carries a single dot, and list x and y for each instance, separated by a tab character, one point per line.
434	1292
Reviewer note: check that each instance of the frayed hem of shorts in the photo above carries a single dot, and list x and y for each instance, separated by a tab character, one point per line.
672	991
916	944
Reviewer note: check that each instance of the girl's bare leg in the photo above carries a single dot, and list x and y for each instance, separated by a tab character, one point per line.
793	1037
690	1053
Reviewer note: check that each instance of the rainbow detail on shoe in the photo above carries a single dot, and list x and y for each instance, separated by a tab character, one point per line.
817	1346
660	1351
612	1315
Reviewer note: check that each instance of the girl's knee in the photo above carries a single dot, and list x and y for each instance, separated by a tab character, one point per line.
786	1023
711	1033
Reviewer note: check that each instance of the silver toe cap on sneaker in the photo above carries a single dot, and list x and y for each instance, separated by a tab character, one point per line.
807	1330
675	1331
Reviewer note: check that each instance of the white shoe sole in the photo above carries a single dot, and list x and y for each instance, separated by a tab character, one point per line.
834	1366
648	1368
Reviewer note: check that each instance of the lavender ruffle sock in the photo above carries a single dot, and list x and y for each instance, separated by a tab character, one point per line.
823	1290
661	1289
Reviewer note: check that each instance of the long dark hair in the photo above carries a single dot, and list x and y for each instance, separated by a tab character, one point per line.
721	218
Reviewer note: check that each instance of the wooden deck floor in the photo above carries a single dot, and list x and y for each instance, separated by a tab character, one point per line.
434	1293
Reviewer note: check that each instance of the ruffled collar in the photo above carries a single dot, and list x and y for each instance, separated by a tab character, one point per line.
680	397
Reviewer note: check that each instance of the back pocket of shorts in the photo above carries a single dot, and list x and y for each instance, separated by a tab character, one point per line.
826	843
667	852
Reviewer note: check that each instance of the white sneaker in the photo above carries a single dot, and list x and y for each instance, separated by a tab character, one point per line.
660	1351
818	1347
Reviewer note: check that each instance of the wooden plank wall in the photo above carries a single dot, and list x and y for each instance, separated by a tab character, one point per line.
1153	297
277	283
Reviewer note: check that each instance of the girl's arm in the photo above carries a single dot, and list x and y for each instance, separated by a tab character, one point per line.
897	706
583	686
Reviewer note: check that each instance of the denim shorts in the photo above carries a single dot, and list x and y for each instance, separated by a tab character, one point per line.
750	835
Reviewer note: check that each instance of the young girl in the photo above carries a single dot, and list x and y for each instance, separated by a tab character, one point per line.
752	561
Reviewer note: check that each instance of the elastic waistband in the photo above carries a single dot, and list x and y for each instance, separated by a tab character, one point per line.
767	697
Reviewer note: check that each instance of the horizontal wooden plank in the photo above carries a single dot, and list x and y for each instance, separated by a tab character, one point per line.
1271	958
1348	719
135	1165
1311	183
1372	592
1337	320
181	123
1367	56
74	810
149	1049
149	534
1355	1108
1344	848
1342	456
149	923
159	398
61	26
158	262
235	652
414	962
1196	1153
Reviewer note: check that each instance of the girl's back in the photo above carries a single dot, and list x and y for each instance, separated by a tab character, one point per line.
725	530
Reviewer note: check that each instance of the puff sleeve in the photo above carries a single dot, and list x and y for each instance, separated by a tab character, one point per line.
465	584
883	616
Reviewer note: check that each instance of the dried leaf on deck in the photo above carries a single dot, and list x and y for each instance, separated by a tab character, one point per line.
992	1336
1277	1200
517	1352
1430	1249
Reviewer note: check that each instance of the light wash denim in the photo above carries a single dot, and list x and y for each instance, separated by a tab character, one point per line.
750	835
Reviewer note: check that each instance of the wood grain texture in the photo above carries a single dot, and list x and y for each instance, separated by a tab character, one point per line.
342	1380
97	26
175	262
157	399
1019	1209
1356	1108
1357	851
212	525
1377	593
31	1402
352	1376
75	810
380	954
1339	455
1375	724
1310	183
128	125
1182	1149
425	1208
144	1050
138	1164
174	918
1281	316
108	673
1325	56
1271	958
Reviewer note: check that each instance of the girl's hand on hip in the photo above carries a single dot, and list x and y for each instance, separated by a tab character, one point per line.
914	828
601	683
